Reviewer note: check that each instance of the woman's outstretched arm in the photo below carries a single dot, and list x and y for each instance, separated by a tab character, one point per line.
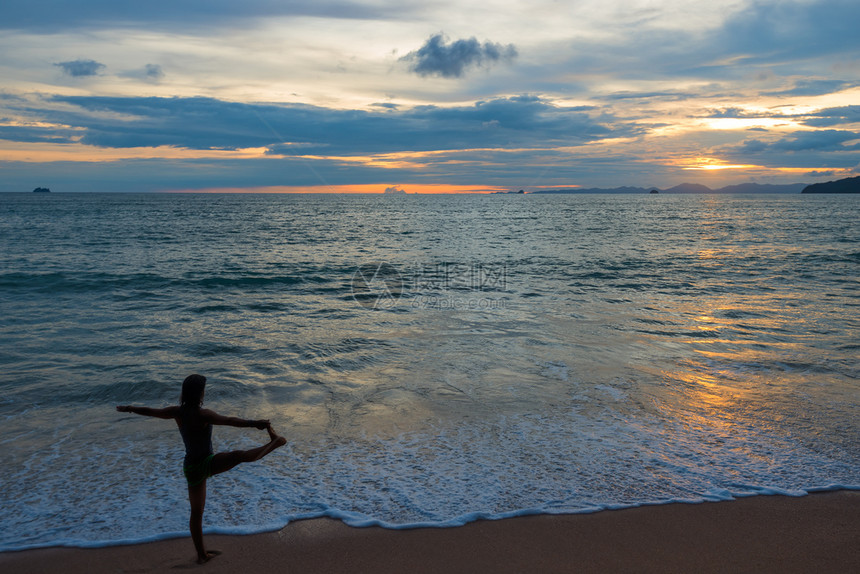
165	413
214	418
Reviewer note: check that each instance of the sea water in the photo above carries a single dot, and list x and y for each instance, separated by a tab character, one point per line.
431	360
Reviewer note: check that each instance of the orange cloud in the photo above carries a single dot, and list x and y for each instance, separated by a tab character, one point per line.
48	152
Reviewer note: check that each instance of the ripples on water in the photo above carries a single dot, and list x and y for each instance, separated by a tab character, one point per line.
555	353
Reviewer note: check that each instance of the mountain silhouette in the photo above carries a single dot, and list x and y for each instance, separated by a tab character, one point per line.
847	185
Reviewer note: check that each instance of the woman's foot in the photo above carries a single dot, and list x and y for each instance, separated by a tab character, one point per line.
275	437
210	554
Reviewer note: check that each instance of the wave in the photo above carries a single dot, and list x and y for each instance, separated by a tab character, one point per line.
154	285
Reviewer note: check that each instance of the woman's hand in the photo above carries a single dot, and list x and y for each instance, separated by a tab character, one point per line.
124	408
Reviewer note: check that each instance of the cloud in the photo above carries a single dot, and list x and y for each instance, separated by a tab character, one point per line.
669	96
153	71
49	16
29	134
291	129
821	173
818	140
835	116
485	143
821	149
150	73
484	168
81	68
437	58
814	88
776	38
734	112
614	70
778	31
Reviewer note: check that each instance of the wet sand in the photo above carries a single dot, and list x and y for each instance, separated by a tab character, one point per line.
818	533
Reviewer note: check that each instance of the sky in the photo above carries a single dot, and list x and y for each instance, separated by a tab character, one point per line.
443	96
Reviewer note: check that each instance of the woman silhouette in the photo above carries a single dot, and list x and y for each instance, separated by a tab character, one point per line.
195	425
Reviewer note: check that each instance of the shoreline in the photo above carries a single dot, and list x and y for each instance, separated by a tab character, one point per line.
766	533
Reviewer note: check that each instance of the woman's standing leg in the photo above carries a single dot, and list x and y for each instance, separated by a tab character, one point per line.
197	498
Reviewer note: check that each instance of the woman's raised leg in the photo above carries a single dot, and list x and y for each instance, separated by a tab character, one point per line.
224	461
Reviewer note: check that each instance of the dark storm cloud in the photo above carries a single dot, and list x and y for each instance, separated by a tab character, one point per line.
81	68
834	116
438	58
206	123
54	15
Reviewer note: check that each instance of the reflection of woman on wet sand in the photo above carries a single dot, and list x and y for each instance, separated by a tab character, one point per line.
195	425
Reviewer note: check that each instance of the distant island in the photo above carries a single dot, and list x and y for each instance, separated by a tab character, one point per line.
848	185
394	190
41	190
689	188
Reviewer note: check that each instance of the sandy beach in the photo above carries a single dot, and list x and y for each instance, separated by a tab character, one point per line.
817	533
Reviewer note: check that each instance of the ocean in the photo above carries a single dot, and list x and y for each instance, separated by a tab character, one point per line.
432	360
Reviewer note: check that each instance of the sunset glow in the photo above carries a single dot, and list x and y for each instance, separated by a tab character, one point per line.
412	189
710	164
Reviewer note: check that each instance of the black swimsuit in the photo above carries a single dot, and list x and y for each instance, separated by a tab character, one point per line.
198	452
